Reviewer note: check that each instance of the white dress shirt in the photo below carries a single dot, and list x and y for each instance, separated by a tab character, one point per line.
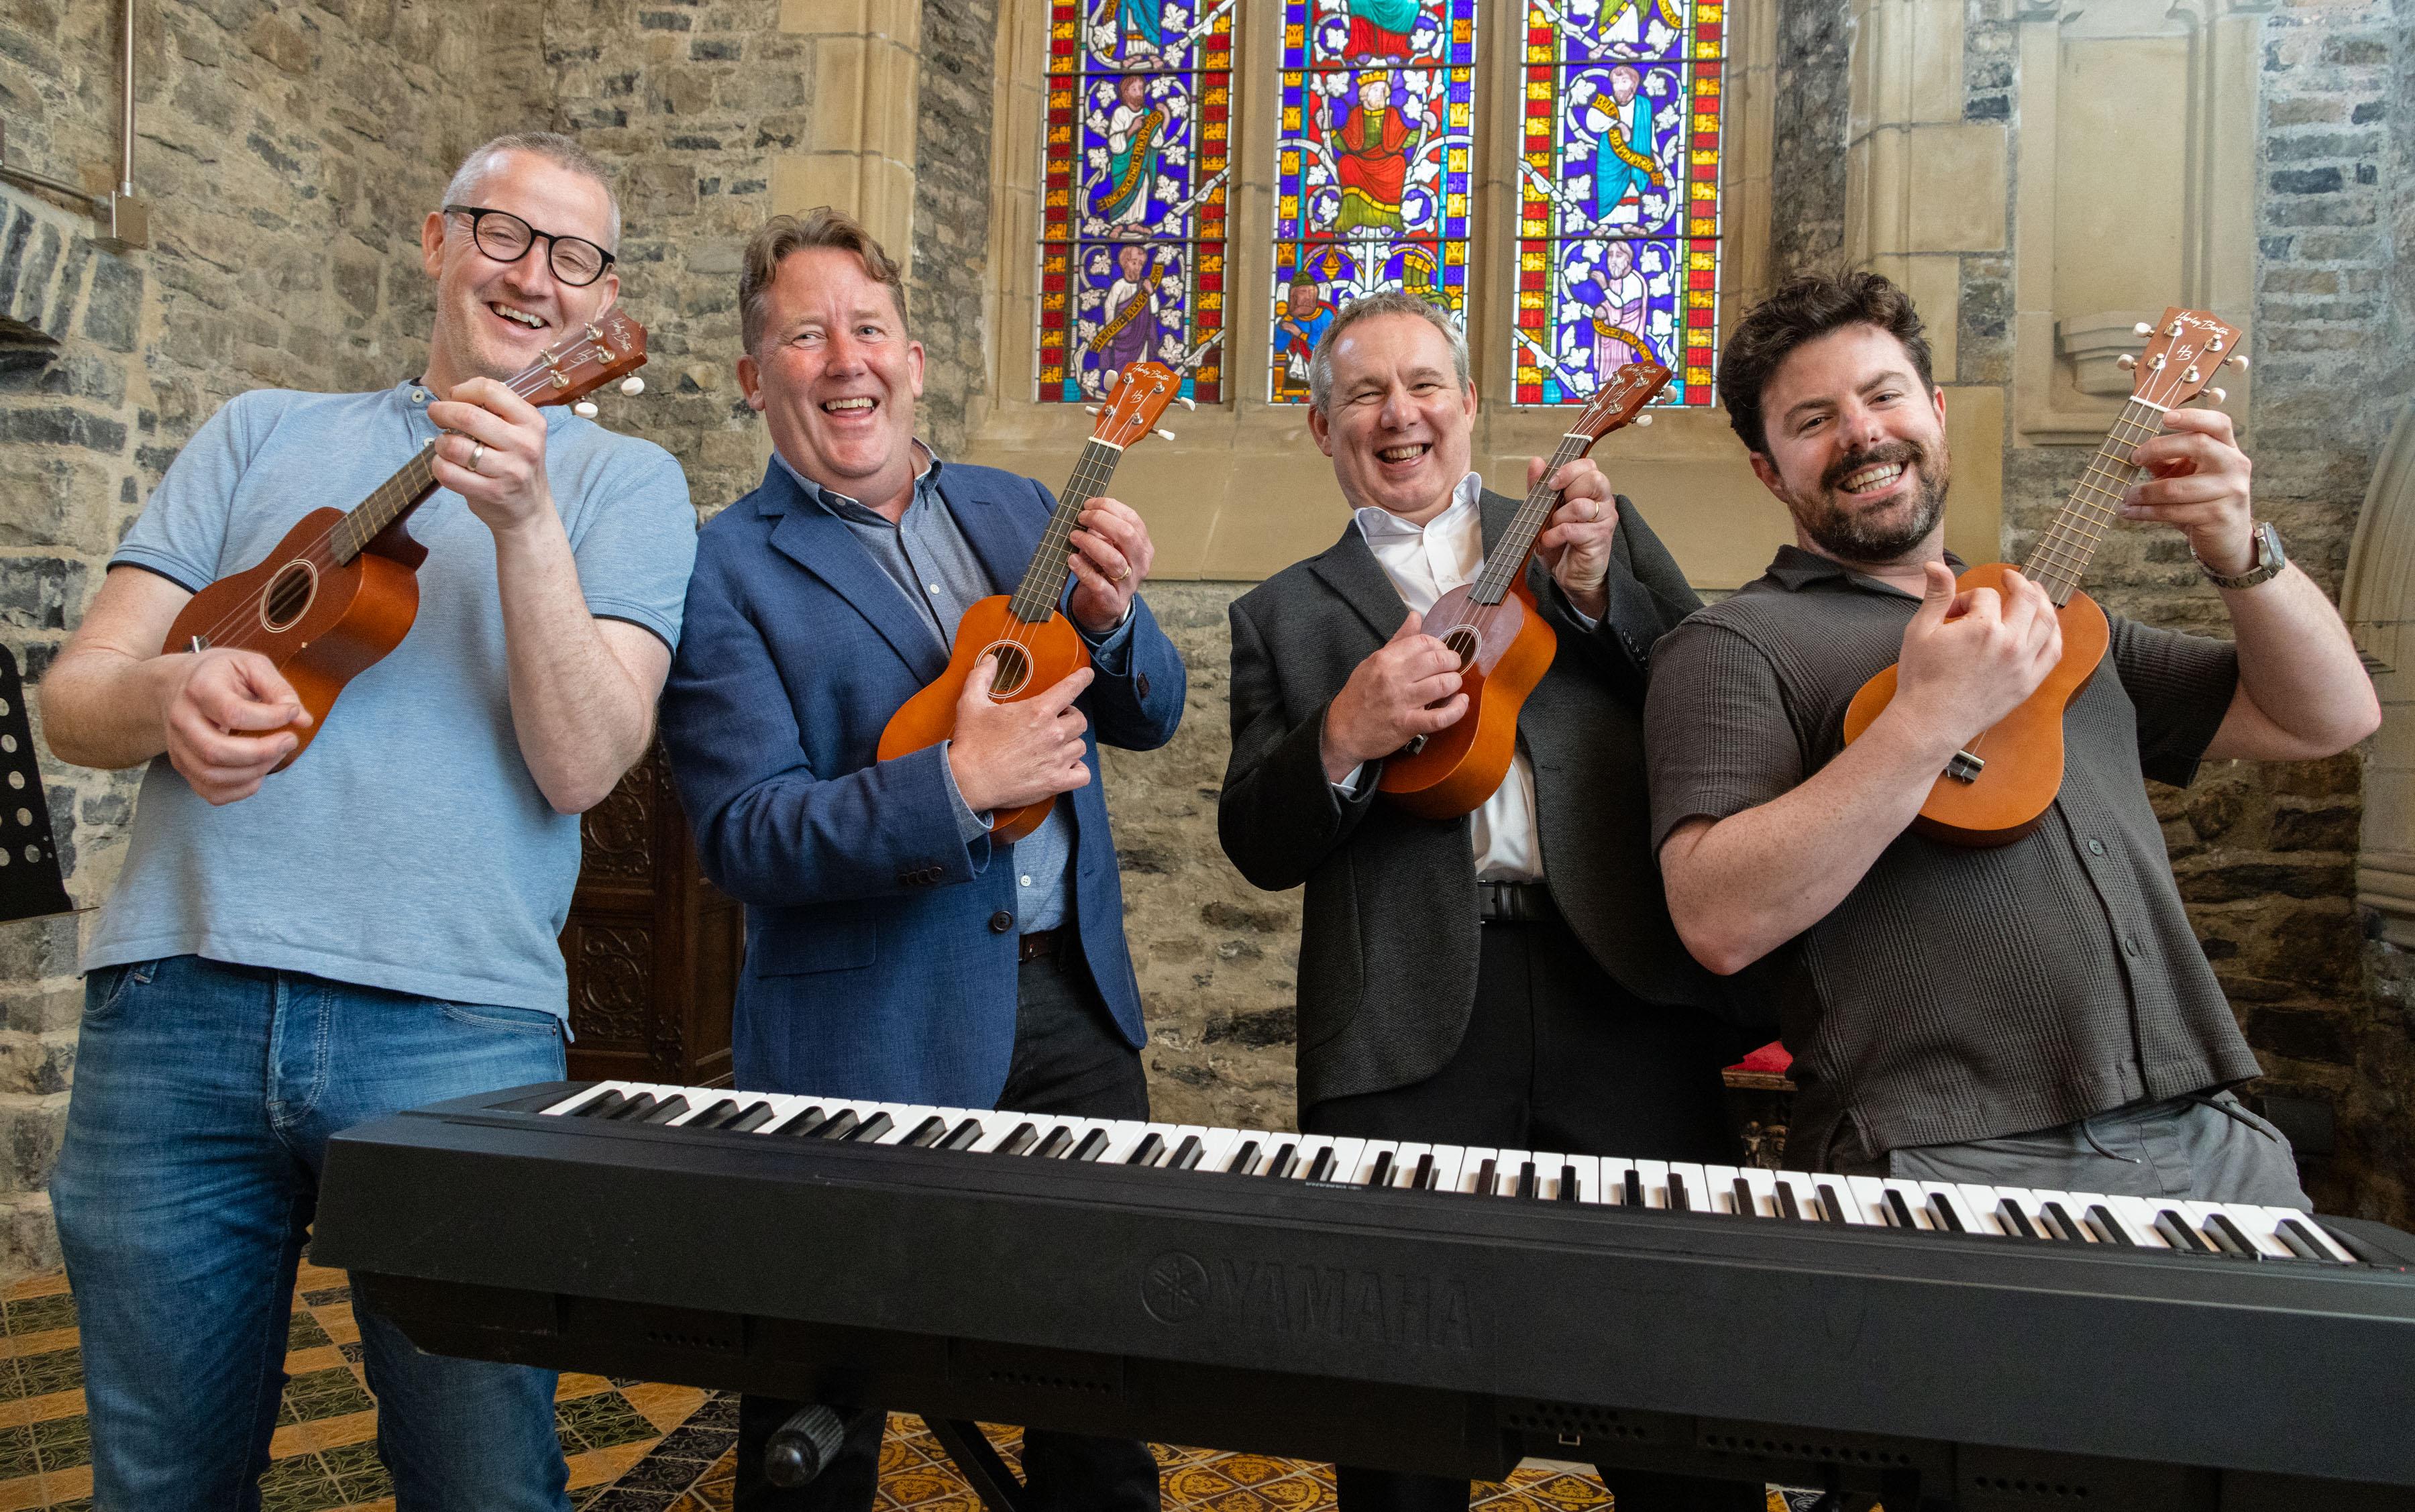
1424	562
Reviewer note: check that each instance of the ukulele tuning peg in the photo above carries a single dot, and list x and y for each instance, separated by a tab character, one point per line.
584	409
1186	401
2238	359
2125	362
2173	329
2218	395
1165	433
1642	419
2142	328
2191	375
1090	408
633	386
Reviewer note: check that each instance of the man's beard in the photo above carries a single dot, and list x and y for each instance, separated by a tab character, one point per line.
1882	536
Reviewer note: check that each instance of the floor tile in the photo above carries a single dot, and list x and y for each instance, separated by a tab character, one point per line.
63	1442
17	1453
38	1375
329	1393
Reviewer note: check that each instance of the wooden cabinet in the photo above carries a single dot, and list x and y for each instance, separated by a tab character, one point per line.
653	949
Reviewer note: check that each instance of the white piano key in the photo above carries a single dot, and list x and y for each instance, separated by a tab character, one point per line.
1472	1169
1611	1175
1216	1148
1720	1181
2271	1220
1548	1166
1763	1186
1447	1167
1696	1184
1869	1200
1914	1200
1507	1166
1588	1171
579	1099
2084	1206
1958	1206
1654	1176
1807	1194
1404	1161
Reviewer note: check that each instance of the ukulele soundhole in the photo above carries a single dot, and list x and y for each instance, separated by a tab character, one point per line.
1014	668
289	595
1463	643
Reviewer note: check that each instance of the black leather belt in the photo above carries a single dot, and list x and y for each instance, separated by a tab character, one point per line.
1037	943
1514	903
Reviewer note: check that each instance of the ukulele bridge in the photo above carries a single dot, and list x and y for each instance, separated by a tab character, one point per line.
1964	767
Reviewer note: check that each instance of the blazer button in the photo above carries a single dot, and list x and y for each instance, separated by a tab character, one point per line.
1142	683
1001	921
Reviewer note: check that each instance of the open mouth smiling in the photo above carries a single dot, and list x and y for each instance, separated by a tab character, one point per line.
516	316
852	404
1410	453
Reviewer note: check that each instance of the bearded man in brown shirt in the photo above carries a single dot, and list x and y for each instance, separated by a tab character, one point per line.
2036	1015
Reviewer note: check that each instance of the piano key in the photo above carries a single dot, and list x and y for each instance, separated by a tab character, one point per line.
1310	1145
2061	1225
1151	1145
802	1122
755	1116
1900	1212
714	1114
667	1109
1952	1212
1654	1176
2296	1230
2015	1222
1379	1170
1763	1184
1839	1204
1530	1184
1869	1200
1746	1202
2220	1230
1486	1183
964	1136
1052	1143
926	1133
1586	1172
1693	1183
870	1130
1422	1176
837	1126
1716	1194
635	1109
1567	1192
1285	1157
1680	1194
2108	1227
596	1102
2136	1216
1611	1175
1019	1139
1908	1202
1215	1147
1400	1162
2174	1225
1092	1145
1320	1165
1449	1162
1186	1154
1245	1160
1803	1191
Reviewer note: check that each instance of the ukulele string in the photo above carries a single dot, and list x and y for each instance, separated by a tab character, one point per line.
1091	474
537	375
1475	612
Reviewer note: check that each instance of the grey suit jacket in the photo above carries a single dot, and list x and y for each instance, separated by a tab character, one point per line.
1389	952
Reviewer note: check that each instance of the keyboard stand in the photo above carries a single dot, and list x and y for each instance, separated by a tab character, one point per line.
979	1462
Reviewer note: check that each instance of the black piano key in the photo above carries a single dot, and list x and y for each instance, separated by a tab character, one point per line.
716	1114
1747	1206
1678	1201
1484	1187
755	1116
803	1124
1423	1177
2109	1226
2300	1242
1186	1155
926	1133
1146	1151
1634	1188
1530	1185
632	1110
603	1107
870	1130
1245	1160
1286	1157
2017	1222
1060	1139
1787	1206
842	1124
1094	1145
1321	1166
1568	1183
1380	1173
1021	1140
2232	1237
1901	1209
2063	1225
964	1136
1942	1213
666	1110
2177	1233
1832	1203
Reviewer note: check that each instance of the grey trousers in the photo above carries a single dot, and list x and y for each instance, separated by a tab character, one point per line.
2203	1147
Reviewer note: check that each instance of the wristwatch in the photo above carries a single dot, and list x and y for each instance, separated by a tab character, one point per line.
2269	560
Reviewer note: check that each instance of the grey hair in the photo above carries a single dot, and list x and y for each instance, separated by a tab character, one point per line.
1389	302
553	146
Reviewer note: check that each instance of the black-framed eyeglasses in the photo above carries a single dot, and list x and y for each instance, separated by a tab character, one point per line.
506	238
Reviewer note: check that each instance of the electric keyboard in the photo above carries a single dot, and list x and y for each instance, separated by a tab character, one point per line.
1429	1307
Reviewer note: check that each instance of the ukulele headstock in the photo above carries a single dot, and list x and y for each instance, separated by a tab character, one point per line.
1618	402
2183	349
609	348
1142	393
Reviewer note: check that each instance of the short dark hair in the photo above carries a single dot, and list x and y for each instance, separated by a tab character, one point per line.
1805	310
783	234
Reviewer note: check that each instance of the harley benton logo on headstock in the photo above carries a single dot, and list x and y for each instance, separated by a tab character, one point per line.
1359	1307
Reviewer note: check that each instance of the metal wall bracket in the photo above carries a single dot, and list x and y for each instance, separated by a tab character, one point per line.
125	217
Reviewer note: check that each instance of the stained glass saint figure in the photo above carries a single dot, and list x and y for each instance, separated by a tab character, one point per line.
1623	162
1381	28
1128	320
1141	24
1372	142
1306	316
1618	320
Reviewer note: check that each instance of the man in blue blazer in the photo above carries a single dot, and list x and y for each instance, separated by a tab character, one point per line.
894	950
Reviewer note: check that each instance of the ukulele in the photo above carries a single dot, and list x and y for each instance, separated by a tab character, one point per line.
341	590
1503	643
1036	647
1998	788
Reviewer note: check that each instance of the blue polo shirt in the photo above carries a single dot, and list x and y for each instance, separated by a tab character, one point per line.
409	847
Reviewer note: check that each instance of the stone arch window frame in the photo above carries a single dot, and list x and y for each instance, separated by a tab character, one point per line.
1244	491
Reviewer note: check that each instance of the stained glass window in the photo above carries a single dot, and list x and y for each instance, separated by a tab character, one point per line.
1372	161
1134	188
1618	174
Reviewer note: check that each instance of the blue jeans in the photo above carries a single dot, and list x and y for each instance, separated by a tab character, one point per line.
204	1096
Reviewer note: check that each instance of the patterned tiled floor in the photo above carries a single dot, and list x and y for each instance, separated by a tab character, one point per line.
632	1446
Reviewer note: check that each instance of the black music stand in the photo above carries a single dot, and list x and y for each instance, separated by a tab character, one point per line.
30	884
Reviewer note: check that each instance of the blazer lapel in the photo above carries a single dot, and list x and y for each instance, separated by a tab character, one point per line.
1003	549
817	540
1350	569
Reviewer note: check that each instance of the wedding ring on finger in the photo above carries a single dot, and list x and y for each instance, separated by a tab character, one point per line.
1122	574
478	450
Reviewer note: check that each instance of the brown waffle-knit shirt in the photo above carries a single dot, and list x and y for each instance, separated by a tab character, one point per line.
1959	994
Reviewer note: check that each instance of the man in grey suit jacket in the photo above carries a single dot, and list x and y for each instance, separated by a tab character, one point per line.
1510	979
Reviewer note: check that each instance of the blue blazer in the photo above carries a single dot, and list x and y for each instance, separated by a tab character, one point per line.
881	947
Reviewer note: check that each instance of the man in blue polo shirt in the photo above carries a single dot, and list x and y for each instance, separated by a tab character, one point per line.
287	954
